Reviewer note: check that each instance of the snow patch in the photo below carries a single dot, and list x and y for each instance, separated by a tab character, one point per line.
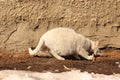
70	75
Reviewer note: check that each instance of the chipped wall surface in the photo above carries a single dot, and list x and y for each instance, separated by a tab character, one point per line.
22	22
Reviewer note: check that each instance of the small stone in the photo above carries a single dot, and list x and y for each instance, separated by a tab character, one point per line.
15	68
117	62
29	67
56	70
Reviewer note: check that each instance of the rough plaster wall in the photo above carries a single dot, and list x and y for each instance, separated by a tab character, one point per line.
22	22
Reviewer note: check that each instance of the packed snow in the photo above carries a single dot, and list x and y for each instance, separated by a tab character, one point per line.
70	75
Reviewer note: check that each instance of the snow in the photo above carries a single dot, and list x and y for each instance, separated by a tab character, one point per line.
70	75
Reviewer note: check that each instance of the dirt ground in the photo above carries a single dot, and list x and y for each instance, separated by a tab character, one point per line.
108	63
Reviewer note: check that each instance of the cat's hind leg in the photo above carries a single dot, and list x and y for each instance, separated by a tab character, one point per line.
57	56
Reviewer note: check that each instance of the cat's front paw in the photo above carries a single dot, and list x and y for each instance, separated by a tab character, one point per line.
91	57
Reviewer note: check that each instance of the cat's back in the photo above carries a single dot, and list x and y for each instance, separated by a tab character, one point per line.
60	32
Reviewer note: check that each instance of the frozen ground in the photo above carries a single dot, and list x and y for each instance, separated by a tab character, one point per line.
70	75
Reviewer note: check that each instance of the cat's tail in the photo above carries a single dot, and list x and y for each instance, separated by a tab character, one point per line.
37	49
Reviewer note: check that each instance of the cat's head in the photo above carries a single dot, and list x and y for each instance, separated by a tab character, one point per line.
94	47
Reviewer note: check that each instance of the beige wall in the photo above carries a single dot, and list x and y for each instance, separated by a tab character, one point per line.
22	22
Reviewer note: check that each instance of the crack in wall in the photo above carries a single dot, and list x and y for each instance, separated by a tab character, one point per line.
10	35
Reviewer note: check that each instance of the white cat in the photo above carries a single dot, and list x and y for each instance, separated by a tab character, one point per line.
64	42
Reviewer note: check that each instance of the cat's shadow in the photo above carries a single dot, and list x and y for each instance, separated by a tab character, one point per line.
66	57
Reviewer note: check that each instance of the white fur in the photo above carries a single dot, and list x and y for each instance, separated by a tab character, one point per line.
64	42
